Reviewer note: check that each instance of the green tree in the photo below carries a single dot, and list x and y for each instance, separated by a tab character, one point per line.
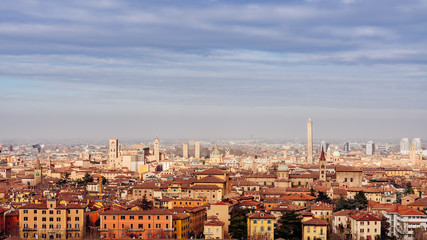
360	200
409	189
399	197
145	204
312	192
87	178
289	226
239	224
104	181
64	180
322	197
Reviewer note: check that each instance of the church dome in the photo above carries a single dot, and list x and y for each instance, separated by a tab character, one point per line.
216	152
283	167
336	153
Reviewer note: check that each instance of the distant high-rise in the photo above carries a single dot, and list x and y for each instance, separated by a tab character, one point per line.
417	143
404	146
346	147
309	142
324	145
185	150
156	149
370	148
197	150
113	152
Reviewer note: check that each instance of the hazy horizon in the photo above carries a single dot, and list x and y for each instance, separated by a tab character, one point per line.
213	69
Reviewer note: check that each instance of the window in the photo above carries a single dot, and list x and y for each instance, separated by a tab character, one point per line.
58	226
351	179
167	225
25	211
158	225
77	235
58	219
58	212
51	219
51	211
69	226
25	235
114	225
131	217
114	217
255	221
314	229
35	218
44	226
269	221
262	229
122	217
58	235
77	226
77	211
44	212
321	231
140	226
255	229
362	230
35	225
68	218
167	217
158	217
268	228
140	217
77	218
149	217
43	235
25	218
308	229
35	211
25	225
131	226
149	225
50	226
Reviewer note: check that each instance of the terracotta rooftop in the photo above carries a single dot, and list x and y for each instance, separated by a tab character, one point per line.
261	215
364	216
315	222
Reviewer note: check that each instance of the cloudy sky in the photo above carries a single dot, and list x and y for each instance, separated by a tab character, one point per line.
213	69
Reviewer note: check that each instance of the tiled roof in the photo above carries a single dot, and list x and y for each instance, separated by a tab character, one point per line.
261	215
364	216
211	171
315	222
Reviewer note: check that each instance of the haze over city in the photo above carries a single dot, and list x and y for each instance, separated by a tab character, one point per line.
213	69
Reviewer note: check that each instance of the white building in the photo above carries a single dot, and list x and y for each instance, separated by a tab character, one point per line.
404	146
417	143
370	148
404	220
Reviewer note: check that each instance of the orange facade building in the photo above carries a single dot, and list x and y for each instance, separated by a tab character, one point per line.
147	224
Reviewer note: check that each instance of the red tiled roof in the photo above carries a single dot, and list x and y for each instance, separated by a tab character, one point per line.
315	222
364	216
261	215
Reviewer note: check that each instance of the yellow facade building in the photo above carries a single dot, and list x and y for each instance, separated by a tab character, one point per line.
314	229
181	225
261	226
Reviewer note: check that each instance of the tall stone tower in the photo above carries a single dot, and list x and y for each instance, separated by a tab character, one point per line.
309	142
412	153
322	166
197	150
185	150
113	152
156	149
38	178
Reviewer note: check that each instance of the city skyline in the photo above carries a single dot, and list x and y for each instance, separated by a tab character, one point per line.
213	69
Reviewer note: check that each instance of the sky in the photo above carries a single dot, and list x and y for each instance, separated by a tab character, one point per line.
213	69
